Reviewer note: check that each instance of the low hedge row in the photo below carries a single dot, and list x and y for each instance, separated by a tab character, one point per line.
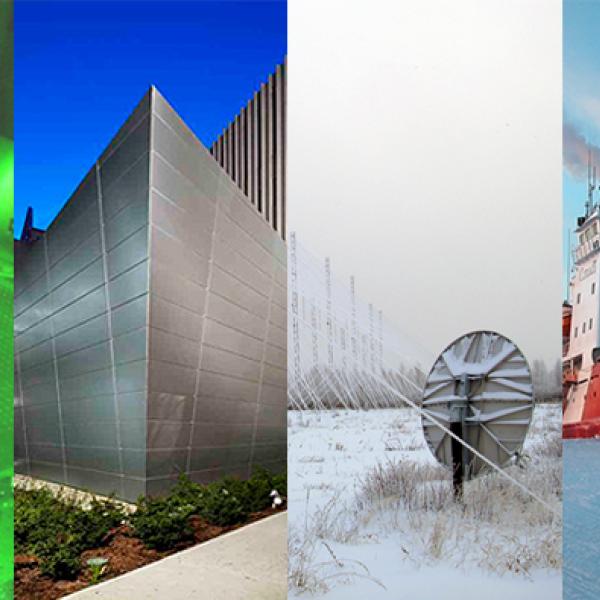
57	529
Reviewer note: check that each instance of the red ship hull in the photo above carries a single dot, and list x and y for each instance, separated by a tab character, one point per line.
582	429
589	426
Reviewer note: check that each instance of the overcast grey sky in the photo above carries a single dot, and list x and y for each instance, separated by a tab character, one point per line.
425	158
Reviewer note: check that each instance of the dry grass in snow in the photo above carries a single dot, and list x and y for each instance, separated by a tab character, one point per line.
362	482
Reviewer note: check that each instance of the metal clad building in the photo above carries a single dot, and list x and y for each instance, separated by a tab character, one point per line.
150	322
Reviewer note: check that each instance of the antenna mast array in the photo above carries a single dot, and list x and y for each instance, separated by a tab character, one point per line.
344	352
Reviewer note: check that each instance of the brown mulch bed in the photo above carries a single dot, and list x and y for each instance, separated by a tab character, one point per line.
124	553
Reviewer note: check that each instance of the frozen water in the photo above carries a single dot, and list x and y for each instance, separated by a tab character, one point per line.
581	459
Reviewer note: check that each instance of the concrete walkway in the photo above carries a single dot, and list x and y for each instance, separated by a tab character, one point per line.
249	563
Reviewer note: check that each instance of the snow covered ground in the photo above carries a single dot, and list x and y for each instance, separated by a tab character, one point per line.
371	513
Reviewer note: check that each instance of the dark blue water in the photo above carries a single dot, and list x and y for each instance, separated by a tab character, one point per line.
581	510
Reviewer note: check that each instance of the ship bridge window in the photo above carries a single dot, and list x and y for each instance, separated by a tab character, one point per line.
575	331
590	324
594	287
583	328
590	232
579	298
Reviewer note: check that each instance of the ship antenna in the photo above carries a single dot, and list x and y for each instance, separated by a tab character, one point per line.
593	187
568	274
589	205
589	173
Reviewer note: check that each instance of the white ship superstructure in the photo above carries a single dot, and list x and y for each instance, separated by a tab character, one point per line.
584	338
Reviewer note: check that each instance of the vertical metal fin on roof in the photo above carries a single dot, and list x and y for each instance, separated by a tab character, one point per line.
251	149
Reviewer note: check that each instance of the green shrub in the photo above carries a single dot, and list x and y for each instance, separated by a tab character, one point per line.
31	511
162	523
219	503
186	492
259	486
219	506
59	558
56	529
279	483
230	500
94	523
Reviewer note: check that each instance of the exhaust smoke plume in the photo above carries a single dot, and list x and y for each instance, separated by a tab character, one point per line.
576	151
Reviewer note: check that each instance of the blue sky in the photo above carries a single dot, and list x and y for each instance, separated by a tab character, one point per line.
81	67
581	70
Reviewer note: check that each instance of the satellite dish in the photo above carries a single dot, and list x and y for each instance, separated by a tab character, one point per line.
480	388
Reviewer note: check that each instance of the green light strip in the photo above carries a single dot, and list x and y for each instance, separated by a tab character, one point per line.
6	301
6	370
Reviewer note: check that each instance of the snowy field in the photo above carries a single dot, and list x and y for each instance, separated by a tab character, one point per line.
372	515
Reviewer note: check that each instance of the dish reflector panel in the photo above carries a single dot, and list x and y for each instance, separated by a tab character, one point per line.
483	381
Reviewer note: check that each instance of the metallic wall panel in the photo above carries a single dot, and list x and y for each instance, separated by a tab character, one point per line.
129	316
174	288
172	348
33	265
166	377
225	337
126	155
130	189
131	123
80	336
172	407
214	385
75	222
88	273
90	409
128	253
129	286
89	306
175	319
133	433
172	250
28	338
238	265
164	462
86	281
92	358
76	260
101	459
182	225
213	371
130	346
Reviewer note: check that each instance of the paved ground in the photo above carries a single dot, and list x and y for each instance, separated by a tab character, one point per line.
248	563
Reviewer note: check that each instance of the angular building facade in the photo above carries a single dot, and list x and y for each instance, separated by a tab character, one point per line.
150	322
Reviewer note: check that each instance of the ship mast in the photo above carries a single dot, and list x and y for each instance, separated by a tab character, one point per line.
589	205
